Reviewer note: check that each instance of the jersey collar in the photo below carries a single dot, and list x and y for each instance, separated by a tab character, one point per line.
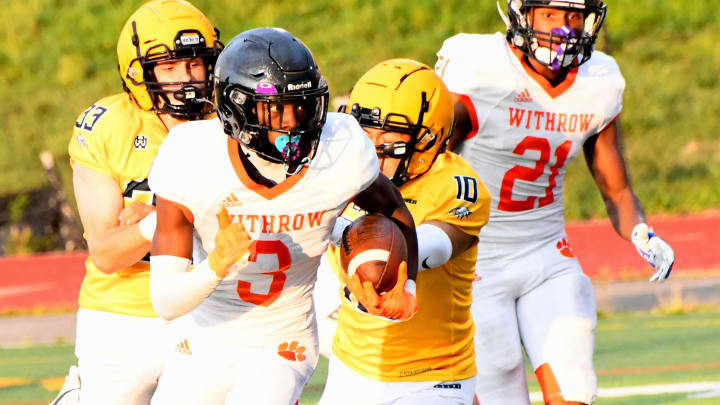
268	193
541	80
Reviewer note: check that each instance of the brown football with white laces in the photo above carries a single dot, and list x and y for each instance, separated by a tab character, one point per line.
373	247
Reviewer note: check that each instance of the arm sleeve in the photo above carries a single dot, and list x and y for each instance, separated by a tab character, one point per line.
434	246
176	291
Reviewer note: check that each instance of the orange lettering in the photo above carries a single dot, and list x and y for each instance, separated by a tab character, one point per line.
561	122
550	122
314	218
517	117
527	124
268	224
573	122
253	220
538	115
585	121
284	221
298	224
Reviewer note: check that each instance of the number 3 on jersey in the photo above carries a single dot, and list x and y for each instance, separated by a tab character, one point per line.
518	172
270	247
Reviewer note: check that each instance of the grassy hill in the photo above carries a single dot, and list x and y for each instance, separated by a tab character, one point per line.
57	57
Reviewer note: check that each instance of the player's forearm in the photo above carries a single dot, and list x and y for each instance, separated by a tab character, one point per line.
176	291
625	211
118	248
405	221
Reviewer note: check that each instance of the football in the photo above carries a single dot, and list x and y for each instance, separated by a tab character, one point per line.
373	247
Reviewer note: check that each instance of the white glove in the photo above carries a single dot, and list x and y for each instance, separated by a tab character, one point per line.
655	250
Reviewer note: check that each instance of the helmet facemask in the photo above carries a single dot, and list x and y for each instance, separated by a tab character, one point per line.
562	47
192	99
253	115
421	137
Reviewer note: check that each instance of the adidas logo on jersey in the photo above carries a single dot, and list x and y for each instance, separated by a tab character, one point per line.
183	348
523	97
231	201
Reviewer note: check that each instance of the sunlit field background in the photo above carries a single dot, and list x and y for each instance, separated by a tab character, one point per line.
57	57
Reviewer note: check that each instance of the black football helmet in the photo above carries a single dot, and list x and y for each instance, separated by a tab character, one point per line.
569	47
260	75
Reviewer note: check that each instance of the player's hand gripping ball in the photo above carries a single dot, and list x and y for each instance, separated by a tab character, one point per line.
373	248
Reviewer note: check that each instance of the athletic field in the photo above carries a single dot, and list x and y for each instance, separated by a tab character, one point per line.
667	355
641	358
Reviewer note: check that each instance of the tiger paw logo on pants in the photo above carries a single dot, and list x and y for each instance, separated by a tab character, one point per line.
292	351
564	247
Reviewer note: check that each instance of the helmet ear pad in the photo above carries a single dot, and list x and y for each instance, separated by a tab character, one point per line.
233	119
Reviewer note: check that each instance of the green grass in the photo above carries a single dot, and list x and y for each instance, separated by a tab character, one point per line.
57	57
631	350
33	365
671	399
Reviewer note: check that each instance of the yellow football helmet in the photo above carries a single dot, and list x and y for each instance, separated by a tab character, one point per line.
163	30
403	95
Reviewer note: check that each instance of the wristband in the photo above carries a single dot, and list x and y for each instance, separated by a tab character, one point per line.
147	226
411	287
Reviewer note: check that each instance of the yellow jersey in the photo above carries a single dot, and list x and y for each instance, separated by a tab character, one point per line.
437	343
116	138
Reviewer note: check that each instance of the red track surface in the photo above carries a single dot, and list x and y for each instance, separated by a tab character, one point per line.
604	255
52	281
46	281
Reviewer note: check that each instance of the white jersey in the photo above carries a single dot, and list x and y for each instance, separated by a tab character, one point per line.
524	130
198	168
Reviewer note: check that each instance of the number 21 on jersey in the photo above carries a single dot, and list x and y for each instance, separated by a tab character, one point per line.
519	172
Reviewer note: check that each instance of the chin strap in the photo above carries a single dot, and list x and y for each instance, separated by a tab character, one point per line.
299	166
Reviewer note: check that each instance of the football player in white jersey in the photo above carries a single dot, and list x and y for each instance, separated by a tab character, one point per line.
263	186
526	103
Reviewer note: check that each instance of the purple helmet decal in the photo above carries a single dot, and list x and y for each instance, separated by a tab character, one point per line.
265	88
